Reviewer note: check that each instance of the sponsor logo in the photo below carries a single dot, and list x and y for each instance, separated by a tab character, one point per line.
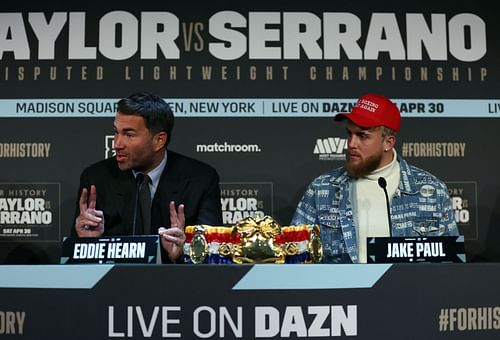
109	146
25	150
30	211
433	150
469	318
331	148
12	322
109	150
243	199
464	201
226	147
269	321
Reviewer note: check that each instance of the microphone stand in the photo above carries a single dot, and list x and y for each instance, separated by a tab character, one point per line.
383	184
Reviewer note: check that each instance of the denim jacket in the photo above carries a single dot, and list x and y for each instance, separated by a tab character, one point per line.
421	206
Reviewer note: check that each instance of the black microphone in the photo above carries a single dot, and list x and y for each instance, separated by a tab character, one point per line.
138	180
383	184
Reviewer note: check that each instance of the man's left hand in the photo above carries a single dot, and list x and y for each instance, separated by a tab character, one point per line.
173	238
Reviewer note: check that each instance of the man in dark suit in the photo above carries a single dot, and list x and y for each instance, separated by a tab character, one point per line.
181	190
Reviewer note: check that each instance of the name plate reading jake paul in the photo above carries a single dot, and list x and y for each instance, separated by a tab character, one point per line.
415	249
116	249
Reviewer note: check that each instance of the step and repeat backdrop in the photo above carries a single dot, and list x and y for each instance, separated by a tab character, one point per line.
254	87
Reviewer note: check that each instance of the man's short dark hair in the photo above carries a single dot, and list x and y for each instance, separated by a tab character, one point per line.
156	112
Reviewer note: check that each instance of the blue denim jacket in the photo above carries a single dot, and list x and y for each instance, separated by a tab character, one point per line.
421	206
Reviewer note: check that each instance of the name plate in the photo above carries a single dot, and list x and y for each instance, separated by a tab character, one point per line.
415	249
116	249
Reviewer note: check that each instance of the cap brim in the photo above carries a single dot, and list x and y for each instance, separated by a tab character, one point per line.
357	119
340	116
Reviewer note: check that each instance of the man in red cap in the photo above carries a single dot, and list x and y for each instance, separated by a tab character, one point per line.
349	202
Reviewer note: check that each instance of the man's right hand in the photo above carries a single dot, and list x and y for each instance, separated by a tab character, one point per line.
90	222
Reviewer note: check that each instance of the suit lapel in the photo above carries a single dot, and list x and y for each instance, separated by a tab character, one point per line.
171	187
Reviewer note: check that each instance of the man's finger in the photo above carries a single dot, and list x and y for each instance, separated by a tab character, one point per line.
173	214
174	237
93	217
83	200
181	217
93	197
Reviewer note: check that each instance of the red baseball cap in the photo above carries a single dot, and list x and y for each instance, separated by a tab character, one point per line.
374	110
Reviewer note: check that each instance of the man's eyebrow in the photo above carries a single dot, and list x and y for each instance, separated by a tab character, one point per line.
369	130
124	129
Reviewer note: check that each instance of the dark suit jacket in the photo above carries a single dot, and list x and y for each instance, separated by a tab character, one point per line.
184	180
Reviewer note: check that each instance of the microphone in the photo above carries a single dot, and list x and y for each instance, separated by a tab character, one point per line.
383	184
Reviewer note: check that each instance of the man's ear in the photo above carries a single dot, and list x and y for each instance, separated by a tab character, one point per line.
160	140
389	142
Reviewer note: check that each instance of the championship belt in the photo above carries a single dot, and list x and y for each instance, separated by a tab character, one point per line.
253	240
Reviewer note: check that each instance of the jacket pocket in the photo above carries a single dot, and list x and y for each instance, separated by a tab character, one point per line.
331	235
426	226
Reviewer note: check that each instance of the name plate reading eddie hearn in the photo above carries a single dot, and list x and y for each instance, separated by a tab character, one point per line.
116	249
416	249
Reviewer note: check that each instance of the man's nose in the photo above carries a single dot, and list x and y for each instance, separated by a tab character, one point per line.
118	142
352	142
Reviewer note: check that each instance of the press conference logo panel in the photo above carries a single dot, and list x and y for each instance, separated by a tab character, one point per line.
464	200
422	149
245	199
226	147
30	211
109	146
331	148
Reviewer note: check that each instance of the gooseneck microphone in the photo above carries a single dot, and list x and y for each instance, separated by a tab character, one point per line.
383	184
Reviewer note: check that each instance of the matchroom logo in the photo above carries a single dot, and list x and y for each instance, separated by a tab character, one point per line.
331	148
227	147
